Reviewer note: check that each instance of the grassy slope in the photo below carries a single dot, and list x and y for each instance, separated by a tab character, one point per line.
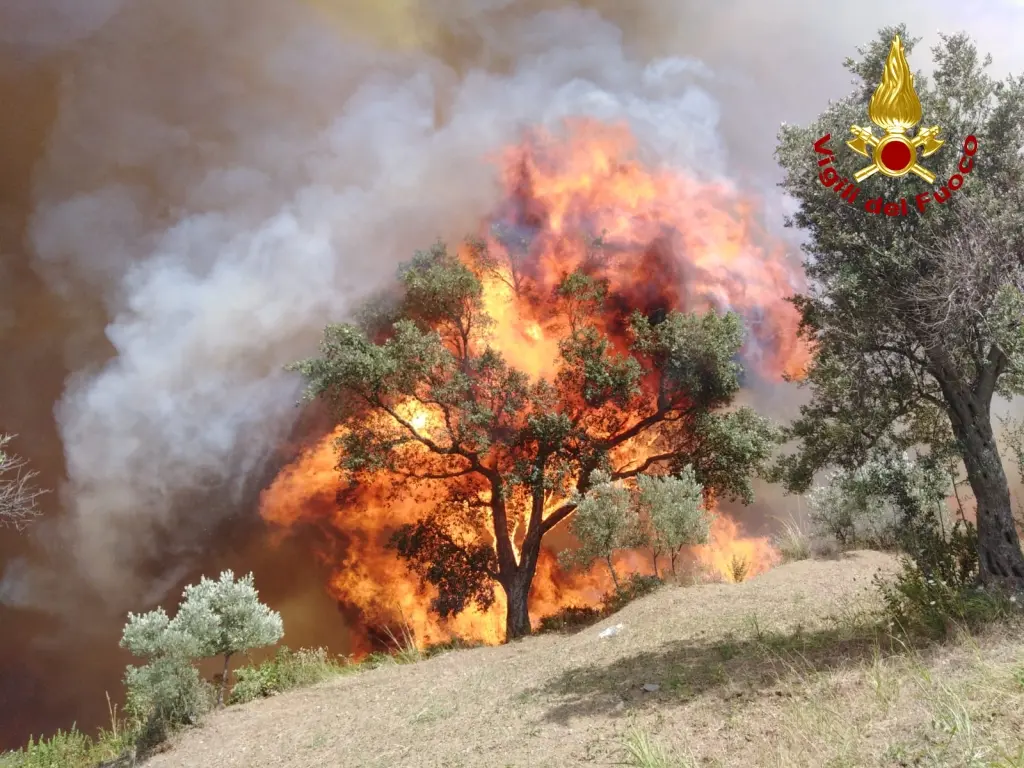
775	672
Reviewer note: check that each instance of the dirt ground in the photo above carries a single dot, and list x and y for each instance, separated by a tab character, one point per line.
777	671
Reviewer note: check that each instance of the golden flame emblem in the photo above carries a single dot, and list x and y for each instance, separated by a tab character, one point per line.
895	108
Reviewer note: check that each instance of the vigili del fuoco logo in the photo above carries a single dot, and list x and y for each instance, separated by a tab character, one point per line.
896	109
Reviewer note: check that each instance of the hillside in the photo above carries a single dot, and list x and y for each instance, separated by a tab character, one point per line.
777	671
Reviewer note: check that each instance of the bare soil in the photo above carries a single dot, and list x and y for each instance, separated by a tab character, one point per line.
778	671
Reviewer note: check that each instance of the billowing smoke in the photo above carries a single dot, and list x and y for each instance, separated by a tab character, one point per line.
213	182
227	178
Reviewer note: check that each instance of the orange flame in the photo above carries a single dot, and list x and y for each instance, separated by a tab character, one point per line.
670	242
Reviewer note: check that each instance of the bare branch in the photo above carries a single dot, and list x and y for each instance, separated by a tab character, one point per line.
18	493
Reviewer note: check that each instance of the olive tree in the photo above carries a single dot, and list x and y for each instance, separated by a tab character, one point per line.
500	453
225	617
915	320
673	507
604	522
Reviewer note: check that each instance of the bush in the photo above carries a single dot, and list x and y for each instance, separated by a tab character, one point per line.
936	587
575	617
455	644
870	506
65	749
164	695
286	670
572	618
634	587
71	749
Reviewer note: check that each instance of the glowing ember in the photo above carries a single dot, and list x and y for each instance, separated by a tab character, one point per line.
669	242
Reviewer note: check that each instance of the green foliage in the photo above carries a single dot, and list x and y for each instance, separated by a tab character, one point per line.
500	452
165	694
858	508
673	507
461	568
914	321
286	670
936	591
1013	436
637	585
605	521
455	644
65	749
225	616
215	617
571	618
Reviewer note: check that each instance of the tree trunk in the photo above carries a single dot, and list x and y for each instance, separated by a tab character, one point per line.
654	562
517	613
223	681
615	577
999	553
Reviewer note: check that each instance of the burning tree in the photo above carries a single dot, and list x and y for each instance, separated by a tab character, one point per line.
497	456
916	320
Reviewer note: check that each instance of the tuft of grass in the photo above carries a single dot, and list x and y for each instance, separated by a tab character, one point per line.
793	541
286	670
643	752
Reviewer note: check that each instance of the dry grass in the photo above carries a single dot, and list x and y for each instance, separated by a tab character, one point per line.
779	671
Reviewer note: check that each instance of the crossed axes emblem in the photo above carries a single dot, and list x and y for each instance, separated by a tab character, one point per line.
863	139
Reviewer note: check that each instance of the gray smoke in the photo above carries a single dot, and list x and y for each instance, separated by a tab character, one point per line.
225	178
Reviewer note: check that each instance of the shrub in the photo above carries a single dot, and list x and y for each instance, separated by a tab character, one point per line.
226	617
65	749
165	694
286	670
936	587
636	586
455	644
870	506
575	617
71	749
571	619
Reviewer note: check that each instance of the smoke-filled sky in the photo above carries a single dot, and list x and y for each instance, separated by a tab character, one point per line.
189	191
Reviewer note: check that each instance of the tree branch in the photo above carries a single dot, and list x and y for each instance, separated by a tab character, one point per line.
648	463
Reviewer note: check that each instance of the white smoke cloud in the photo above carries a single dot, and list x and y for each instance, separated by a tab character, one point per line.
230	176
227	224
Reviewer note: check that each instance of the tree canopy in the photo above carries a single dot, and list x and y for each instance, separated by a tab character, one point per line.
424	394
219	617
915	321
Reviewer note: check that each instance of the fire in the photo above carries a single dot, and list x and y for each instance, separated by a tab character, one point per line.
667	241
734	557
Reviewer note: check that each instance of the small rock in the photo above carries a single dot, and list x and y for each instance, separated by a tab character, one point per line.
651	687
610	631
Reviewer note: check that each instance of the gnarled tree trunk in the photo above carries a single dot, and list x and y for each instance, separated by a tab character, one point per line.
517	613
999	552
